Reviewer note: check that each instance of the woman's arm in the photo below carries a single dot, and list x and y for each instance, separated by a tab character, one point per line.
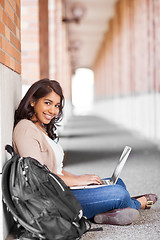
26	144
77	180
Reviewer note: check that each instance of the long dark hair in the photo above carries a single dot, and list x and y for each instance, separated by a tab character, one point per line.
39	90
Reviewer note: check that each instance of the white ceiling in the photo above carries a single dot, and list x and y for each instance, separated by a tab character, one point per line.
86	37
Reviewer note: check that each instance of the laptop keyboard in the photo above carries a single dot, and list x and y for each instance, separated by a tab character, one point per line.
106	182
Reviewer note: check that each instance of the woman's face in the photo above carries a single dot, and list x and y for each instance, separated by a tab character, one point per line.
46	108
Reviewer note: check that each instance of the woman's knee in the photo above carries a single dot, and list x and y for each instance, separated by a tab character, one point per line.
124	198
124	194
121	183
114	197
120	193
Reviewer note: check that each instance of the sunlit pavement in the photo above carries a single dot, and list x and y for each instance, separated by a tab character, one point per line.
94	145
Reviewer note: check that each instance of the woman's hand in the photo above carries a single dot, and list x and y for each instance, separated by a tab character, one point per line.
78	180
88	179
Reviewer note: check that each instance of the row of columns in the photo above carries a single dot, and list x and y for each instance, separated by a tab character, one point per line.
127	71
44	43
128	61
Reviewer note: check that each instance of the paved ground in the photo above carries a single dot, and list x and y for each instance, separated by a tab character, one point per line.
93	145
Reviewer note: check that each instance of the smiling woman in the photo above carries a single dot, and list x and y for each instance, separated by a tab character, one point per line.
35	123
34	136
42	104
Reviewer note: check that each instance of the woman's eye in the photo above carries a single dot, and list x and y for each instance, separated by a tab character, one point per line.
57	106
47	103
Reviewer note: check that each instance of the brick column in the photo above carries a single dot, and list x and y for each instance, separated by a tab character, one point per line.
30	41
52	46
35	40
43	39
62	58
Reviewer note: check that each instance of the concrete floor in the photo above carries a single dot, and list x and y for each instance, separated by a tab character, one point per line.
94	145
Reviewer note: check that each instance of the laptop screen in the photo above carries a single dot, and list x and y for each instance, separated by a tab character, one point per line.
120	164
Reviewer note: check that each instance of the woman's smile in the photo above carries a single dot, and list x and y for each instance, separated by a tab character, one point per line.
48	116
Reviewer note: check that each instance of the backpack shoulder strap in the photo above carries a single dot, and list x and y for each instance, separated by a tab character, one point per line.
10	150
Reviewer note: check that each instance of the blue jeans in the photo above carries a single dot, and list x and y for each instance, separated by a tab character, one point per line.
106	198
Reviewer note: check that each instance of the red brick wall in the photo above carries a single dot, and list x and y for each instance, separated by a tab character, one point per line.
10	34
131	50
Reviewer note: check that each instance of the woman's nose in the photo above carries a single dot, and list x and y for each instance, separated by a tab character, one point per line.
53	110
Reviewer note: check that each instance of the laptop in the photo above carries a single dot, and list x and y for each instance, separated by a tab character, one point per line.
116	172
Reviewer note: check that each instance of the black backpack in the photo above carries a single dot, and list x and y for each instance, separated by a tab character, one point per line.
40	201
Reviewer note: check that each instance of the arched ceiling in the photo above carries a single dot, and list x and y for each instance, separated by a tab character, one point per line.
86	37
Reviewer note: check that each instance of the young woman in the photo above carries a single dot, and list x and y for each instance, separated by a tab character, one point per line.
34	135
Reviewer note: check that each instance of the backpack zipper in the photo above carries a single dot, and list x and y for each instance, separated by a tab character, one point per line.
57	182
54	178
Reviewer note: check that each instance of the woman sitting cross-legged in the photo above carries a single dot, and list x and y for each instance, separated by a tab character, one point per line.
34	135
